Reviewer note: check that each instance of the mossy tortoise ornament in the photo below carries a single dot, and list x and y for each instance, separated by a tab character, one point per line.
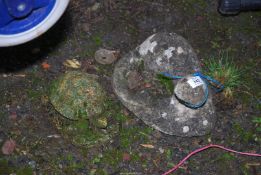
78	96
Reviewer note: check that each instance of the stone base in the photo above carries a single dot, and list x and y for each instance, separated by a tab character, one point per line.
161	52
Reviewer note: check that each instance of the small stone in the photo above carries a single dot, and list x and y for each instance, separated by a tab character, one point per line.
209	140
185	129
161	150
93	171
104	56
60	166
126	157
8	147
134	79
164	115
32	164
102	122
205	122
86	27
96	6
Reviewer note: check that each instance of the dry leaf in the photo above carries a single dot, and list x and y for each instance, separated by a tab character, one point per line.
72	63
147	146
45	65
54	136
21	75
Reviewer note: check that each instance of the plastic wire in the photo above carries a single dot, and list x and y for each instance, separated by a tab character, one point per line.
207	147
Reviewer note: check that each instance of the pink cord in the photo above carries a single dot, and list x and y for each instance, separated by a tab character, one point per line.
204	148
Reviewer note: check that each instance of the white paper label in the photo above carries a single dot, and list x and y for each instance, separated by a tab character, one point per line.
195	81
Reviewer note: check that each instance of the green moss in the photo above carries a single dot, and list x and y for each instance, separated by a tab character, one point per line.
121	117
131	135
226	157
140	66
24	171
34	94
81	133
166	82
73	167
169	154
36	87
135	157
101	172
97	40
7	169
77	95
246	136
112	157
114	110
257	122
4	168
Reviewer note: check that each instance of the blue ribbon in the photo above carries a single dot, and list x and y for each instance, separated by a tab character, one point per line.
207	81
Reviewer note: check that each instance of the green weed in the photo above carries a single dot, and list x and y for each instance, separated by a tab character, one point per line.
112	157
97	40
226	157
246	136
132	135
225	71
5	168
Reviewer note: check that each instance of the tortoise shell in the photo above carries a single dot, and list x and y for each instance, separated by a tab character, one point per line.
77	95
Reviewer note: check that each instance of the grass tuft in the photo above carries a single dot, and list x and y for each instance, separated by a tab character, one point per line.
225	71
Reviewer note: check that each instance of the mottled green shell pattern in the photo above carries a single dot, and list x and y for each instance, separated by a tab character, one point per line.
77	95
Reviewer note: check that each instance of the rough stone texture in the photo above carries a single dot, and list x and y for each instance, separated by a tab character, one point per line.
104	56
185	92
162	52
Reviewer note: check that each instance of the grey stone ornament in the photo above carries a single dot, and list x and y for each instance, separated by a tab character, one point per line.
171	53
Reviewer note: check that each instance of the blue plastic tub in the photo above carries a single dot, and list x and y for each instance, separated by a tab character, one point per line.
24	20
